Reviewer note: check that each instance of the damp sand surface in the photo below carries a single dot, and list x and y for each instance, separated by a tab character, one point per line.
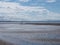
20	34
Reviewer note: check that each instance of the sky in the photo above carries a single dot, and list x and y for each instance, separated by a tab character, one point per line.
29	10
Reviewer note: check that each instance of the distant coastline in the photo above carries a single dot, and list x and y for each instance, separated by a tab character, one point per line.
32	22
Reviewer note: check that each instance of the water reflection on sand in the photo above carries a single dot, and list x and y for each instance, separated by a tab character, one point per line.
30	34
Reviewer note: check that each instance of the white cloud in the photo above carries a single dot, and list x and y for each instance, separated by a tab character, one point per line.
24	0
14	11
50	1
53	16
8	7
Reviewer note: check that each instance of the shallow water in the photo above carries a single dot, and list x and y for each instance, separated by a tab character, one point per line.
27	38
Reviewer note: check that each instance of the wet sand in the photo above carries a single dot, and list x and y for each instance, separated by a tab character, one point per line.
46	40
5	43
29	34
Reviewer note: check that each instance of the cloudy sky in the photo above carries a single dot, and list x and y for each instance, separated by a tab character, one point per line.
29	10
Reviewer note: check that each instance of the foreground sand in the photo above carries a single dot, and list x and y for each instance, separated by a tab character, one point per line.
29	34
5	43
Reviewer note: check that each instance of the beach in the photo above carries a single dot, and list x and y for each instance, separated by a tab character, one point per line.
5	43
24	34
